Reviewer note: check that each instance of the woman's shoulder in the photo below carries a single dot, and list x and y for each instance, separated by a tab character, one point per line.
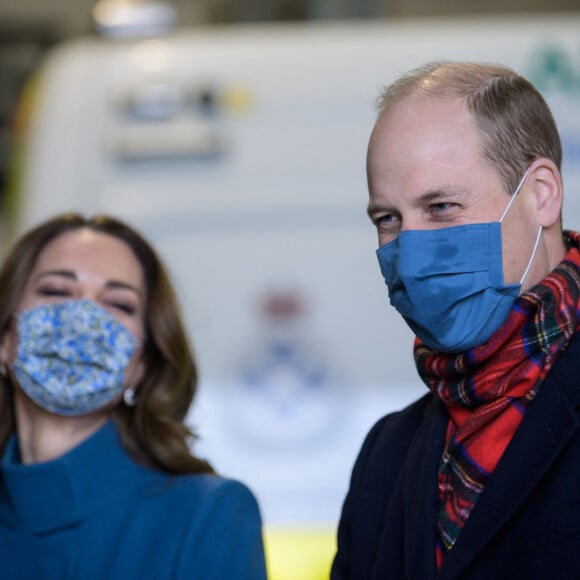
210	486
197	522
222	528
205	492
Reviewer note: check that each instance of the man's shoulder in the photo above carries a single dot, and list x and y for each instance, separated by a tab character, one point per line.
387	443
404	422
375	480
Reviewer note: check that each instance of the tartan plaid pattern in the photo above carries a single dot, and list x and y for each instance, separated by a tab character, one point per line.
487	389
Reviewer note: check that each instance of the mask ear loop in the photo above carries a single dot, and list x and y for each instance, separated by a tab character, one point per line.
533	255
515	194
522	180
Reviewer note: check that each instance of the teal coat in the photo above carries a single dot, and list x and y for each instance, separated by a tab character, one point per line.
95	514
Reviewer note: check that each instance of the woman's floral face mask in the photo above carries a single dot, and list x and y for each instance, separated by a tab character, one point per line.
72	356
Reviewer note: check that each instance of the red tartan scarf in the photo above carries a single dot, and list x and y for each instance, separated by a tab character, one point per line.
487	389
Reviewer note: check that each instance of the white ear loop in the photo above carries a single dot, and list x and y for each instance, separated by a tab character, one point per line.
515	194
533	255
539	231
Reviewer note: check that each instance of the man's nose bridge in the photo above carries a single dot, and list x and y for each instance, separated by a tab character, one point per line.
411	222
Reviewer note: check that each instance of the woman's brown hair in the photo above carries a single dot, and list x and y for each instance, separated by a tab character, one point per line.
153	431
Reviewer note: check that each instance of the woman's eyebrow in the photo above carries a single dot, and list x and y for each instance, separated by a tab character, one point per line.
63	273
118	284
71	275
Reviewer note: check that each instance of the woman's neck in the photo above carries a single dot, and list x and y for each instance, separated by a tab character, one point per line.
43	436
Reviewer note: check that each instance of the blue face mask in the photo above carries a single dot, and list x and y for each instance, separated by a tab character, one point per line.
72	356
448	283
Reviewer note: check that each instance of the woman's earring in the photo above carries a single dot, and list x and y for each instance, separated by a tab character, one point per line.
129	397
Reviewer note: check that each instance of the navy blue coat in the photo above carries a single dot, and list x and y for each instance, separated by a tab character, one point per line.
526	524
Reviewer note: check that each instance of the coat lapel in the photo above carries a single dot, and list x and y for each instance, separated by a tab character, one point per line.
407	545
421	499
549	423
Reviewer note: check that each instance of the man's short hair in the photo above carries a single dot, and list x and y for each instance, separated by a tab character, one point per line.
516	124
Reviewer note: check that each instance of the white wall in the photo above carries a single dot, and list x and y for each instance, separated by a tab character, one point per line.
266	197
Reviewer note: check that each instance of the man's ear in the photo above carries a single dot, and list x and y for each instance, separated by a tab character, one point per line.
549	191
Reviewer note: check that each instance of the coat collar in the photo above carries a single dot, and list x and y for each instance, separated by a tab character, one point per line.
532	451
549	424
44	497
422	503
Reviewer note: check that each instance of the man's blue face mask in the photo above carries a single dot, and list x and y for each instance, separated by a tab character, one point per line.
72	356
448	283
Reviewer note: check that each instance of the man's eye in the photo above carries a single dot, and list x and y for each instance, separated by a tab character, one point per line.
443	206
385	220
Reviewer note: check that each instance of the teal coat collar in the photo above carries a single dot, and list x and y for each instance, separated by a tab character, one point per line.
45	497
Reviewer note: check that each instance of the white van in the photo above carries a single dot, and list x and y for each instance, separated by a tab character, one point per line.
240	153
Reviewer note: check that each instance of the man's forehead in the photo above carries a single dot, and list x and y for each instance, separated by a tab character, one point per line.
424	135
417	104
423	113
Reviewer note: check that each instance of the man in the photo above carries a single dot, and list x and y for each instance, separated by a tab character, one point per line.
479	479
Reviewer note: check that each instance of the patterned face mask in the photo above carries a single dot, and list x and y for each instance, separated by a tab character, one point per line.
72	356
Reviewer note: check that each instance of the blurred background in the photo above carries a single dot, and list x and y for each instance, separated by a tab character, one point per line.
233	135
28	28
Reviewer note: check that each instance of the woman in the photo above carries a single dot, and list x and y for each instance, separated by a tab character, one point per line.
97	479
